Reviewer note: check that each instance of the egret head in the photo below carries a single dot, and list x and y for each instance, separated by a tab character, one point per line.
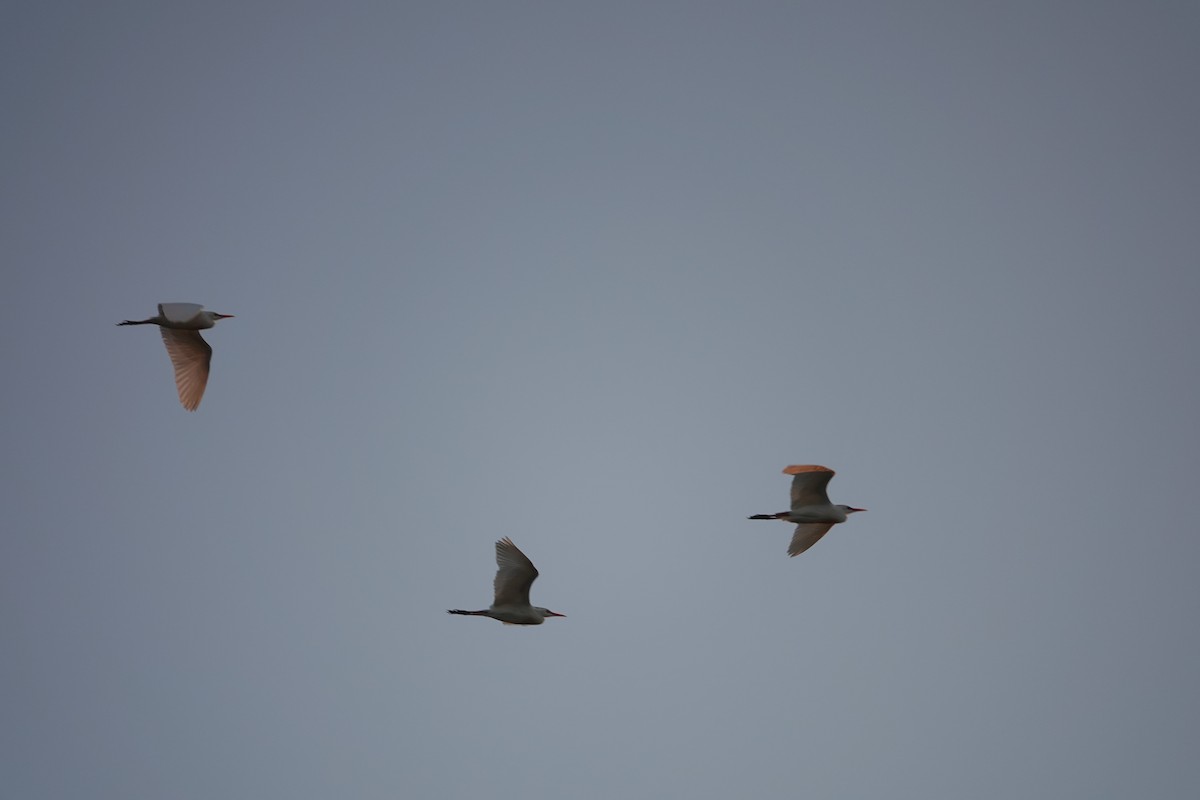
547	613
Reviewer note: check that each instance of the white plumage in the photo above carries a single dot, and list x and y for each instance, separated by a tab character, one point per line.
515	573
180	325
811	510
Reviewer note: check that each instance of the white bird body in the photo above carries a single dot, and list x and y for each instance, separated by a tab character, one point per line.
516	615
515	573
832	514
183	315
179	324
811	511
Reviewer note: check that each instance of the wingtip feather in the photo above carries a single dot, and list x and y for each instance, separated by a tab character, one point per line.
799	469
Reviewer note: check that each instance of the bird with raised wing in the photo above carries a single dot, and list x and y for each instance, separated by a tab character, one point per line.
514	575
180	325
811	510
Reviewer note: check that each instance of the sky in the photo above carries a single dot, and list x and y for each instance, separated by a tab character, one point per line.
590	275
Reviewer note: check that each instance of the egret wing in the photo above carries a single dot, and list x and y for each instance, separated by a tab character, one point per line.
190	355
807	535
808	484
514	576
179	313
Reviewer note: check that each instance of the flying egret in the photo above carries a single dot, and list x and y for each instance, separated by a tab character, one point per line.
515	575
180	325
811	510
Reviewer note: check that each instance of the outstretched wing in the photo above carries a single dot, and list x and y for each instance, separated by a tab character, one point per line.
808	485
514	576
807	535
190	355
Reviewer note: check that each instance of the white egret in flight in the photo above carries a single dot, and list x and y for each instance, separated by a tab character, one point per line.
514	576
811	510
180	325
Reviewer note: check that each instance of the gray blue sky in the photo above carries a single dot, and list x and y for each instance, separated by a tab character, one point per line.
589	275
